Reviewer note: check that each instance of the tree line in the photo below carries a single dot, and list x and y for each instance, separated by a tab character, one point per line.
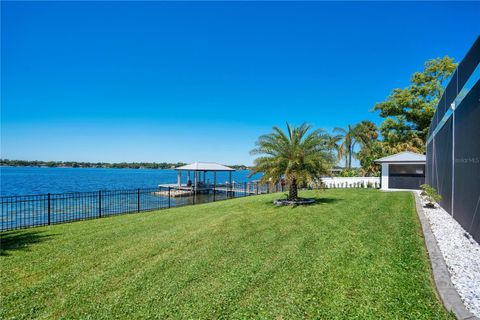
300	155
407	113
121	165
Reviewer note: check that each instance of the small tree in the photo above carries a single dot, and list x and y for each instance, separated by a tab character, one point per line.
430	195
299	156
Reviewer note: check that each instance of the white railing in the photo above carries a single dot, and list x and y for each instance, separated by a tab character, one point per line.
351	182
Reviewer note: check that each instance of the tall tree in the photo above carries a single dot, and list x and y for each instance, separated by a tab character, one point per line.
365	133
409	111
360	134
369	154
299	155
347	143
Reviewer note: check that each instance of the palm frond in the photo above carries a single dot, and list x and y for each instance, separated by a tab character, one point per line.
300	155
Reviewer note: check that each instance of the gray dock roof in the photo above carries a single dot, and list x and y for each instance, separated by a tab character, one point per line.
204	166
403	157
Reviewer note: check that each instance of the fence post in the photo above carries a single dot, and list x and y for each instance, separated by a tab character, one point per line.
48	209
169	203
194	194
256	184
245	187
100	203
214	191
138	200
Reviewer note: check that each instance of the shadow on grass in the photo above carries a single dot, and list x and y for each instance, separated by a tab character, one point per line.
20	240
318	201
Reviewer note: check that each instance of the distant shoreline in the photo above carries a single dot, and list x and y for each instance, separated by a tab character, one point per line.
98	165
45	167
65	167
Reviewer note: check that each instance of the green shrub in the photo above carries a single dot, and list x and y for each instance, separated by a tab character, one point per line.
353	172
430	195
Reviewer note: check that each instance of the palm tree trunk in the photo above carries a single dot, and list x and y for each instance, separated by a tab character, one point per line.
293	191
350	157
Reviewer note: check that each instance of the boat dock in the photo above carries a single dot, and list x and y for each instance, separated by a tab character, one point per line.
200	185
174	190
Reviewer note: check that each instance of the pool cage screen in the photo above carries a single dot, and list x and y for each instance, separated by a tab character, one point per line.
453	144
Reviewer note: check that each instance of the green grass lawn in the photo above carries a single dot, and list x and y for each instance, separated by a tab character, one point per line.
356	253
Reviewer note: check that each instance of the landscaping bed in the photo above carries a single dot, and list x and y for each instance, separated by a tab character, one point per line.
461	254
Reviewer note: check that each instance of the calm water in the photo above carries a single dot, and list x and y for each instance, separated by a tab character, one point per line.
26	180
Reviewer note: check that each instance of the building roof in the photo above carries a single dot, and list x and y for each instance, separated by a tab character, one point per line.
403	157
204	166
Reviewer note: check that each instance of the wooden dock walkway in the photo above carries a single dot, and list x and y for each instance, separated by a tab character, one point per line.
174	190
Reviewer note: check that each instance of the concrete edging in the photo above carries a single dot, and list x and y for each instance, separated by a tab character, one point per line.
445	288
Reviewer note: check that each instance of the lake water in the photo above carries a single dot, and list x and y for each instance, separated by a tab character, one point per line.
30	180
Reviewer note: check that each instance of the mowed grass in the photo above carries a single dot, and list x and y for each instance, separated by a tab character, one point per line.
356	253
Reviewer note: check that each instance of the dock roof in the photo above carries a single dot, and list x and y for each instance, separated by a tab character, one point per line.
403	157
204	166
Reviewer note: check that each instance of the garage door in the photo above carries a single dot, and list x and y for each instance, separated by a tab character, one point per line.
406	176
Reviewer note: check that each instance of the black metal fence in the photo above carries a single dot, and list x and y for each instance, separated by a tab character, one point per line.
18	212
453	147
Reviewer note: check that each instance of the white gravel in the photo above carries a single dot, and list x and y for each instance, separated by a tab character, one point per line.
462	256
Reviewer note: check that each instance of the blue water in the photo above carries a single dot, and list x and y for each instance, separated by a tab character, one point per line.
29	180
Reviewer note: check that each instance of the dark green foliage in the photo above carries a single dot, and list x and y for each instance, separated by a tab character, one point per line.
367	156
122	165
430	194
346	144
299	156
74	164
354	172
409	111
364	134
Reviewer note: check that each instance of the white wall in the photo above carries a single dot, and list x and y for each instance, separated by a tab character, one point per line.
384	176
351	182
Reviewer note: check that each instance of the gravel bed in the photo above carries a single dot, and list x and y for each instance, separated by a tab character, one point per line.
461	253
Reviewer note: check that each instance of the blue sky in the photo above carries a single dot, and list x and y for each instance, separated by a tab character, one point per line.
178	81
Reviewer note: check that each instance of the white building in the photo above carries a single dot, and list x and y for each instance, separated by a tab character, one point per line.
404	170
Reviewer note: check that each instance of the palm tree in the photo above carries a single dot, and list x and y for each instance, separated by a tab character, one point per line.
297	156
345	148
363	133
333	142
366	133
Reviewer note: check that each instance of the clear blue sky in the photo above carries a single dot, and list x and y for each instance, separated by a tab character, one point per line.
178	81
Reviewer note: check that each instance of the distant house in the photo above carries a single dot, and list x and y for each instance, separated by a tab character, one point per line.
404	170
